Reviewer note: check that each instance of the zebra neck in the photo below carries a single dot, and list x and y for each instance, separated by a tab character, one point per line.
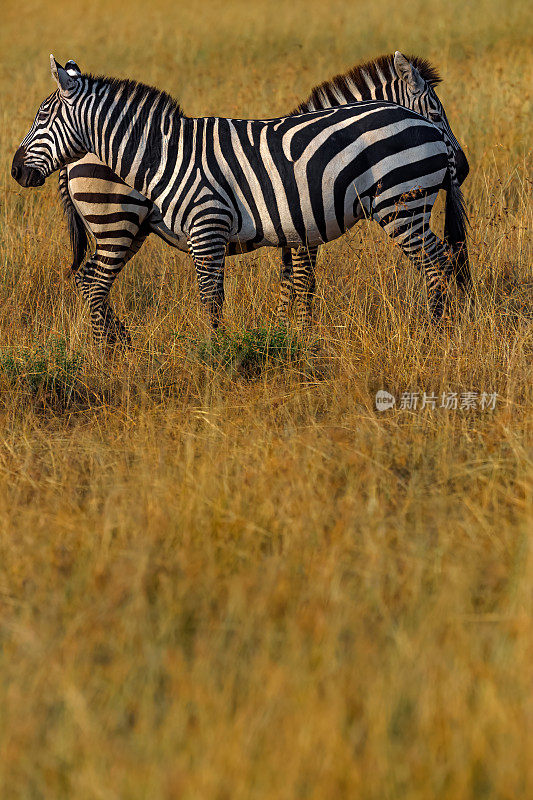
136	132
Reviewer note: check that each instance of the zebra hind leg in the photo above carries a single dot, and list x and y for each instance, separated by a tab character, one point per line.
96	278
411	231
94	282
435	259
113	329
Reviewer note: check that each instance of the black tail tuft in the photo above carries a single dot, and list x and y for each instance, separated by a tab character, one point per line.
455	225
76	227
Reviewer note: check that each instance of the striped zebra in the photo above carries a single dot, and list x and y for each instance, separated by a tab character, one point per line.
408	81
291	182
97	201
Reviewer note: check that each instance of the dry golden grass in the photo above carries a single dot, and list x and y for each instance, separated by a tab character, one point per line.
216	587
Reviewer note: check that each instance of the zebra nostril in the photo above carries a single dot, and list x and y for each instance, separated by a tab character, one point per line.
15	172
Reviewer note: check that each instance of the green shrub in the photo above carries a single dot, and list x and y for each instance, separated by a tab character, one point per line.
46	369
248	352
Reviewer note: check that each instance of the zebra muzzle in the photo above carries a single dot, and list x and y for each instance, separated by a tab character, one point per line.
25	175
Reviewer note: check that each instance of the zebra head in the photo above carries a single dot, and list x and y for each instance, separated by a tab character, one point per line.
52	140
422	98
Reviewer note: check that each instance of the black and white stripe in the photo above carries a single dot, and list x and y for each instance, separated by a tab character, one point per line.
290	182
407	81
95	199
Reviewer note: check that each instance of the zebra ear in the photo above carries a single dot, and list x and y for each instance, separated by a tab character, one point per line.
408	74
72	68
64	81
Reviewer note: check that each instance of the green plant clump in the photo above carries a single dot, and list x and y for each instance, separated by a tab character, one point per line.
249	352
45	368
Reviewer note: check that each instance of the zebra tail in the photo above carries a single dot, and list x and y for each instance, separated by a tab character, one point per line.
455	225
76	227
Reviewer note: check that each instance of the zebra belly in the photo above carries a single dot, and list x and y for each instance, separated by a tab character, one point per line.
286	234
313	235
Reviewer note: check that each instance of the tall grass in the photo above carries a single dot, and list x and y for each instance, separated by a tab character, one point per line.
218	582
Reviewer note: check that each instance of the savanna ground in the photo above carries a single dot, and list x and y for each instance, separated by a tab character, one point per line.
240	580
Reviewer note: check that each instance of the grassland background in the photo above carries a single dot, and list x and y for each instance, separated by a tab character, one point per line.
216	587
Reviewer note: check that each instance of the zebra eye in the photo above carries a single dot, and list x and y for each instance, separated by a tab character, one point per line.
42	116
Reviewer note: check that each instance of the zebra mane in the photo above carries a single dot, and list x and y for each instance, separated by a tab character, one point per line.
356	82
141	90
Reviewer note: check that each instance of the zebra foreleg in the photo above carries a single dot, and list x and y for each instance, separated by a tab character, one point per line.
303	269
208	252
286	288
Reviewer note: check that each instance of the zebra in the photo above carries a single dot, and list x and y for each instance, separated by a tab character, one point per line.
119	218
292	181
408	81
